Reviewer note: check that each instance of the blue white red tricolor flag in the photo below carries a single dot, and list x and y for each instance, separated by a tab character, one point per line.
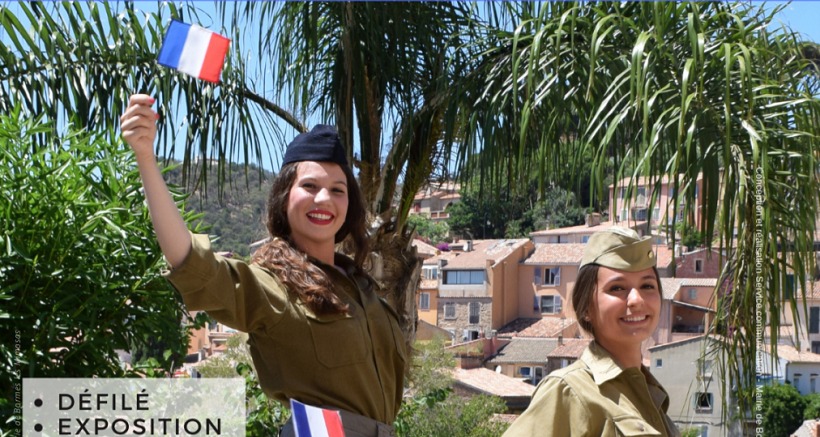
194	50
309	421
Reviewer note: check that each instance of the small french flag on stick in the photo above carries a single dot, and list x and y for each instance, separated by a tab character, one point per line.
194	50
309	421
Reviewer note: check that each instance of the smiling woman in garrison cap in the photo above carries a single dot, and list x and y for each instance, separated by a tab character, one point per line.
317	330
607	392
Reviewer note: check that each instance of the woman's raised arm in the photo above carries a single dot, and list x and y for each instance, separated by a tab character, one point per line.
139	130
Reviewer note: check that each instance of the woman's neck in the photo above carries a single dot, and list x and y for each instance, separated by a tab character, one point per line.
324	252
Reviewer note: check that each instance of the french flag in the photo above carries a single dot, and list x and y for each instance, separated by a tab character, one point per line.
309	421
194	50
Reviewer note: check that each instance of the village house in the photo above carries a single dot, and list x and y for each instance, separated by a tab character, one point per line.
464	291
435	199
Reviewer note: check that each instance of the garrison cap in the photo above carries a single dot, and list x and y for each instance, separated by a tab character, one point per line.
321	144
619	248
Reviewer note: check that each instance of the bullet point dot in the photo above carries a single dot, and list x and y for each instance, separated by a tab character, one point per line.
38	427
38	403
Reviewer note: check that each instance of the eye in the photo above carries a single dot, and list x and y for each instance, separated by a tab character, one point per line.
309	185
616	289
648	286
339	191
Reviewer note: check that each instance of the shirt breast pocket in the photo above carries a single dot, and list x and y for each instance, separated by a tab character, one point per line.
631	426
338	339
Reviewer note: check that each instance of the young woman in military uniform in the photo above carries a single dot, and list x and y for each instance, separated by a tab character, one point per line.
607	392
318	333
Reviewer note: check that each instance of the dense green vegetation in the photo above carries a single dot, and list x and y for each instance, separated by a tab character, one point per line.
233	209
80	266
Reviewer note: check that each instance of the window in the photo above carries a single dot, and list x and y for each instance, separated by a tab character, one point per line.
464	277
624	215
656	214
659	363
641	199
429	272
813	383
705	368
536	276
533	375
698	266
814	323
424	301
550	304
475	312
815	347
693	294
449	311
470	335
552	276
703	402
796	381
640	214
621	192
584	239
789	288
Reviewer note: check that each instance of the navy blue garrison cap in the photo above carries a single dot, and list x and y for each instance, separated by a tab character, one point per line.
321	144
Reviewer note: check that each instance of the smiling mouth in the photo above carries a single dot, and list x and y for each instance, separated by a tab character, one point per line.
635	319
320	216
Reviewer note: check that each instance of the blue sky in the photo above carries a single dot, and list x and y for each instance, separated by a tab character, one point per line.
803	17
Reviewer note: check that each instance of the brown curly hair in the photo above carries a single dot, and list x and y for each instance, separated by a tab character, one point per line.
291	265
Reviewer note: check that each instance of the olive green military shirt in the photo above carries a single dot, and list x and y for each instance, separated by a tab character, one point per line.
353	361
595	397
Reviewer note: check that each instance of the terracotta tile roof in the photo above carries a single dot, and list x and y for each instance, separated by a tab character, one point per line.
512	328
487	381
572	348
795	356
451	196
670	287
698	282
483	250
546	327
814	292
425	249
556	253
525	350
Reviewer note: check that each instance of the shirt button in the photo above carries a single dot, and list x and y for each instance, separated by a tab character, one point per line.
640	427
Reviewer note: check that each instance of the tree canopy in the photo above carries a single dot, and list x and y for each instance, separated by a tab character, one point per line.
506	90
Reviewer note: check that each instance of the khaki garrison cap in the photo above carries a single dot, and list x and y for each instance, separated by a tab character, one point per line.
619	248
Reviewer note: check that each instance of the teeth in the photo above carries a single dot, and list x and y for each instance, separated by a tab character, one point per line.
634	319
320	216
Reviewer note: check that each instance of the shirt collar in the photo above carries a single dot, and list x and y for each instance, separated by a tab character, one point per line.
600	363
604	368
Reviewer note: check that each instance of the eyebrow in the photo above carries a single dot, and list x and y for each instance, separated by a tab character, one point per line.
316	179
621	277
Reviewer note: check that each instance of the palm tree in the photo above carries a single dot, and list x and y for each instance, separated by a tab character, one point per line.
675	89
500	88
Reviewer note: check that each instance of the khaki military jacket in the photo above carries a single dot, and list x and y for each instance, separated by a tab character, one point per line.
595	397
354	362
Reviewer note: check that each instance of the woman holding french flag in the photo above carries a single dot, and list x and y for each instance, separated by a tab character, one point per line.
318	332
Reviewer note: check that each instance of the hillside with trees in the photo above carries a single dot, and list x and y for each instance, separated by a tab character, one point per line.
235	216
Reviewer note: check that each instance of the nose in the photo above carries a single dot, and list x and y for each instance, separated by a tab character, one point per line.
323	195
634	299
